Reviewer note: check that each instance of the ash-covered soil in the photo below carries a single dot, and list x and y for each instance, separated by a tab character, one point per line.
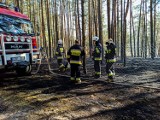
48	96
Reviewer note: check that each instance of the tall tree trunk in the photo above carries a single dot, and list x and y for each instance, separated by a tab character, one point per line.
30	10
122	45
68	23
61	20
90	27
83	34
48	26
131	29
76	20
100	20
139	26
40	25
43	26
53	27
108	14
143	29
112	20
79	27
100	24
115	25
56	20
118	35
146	38
124	35
154	28
151	30
83	24
94	17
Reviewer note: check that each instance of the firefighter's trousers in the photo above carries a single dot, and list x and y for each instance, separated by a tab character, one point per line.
97	67
110	69
75	71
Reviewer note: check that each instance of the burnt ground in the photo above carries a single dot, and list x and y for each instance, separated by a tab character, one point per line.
134	95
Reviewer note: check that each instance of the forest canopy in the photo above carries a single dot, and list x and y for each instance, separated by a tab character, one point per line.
134	25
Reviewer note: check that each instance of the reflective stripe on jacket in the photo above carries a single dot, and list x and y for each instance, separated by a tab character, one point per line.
111	60
97	53
110	53
59	52
75	54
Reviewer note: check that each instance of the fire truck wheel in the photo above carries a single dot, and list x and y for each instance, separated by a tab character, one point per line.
28	70
24	71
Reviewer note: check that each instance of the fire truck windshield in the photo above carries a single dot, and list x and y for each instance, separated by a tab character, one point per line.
15	26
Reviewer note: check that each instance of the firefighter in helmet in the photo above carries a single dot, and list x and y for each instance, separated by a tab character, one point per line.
97	56
74	55
110	55
60	54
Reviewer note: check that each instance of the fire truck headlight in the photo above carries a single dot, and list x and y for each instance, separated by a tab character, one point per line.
8	38
22	39
29	39
15	38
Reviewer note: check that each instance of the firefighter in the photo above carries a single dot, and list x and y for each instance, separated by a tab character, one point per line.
60	55
97	56
74	56
110	54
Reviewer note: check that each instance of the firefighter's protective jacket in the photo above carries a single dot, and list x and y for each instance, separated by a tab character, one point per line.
110	53
60	52
75	54
97	53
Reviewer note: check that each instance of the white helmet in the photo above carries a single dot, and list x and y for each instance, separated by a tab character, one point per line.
95	38
110	40
60	42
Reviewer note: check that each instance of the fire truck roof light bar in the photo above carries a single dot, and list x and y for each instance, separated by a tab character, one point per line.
22	39
15	38
8	38
18	43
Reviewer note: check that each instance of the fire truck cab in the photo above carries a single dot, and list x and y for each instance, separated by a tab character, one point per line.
18	42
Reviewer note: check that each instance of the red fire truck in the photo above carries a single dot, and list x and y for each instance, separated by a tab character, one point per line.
18	42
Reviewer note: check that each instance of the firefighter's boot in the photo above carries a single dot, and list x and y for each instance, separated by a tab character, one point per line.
78	80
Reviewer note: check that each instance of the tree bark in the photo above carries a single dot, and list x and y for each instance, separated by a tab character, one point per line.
139	26
79	27
83	34
151	30
95	19
90	27
131	28
108	14
100	25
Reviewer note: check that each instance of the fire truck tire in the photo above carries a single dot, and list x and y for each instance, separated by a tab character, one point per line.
28	70
23	68
24	71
